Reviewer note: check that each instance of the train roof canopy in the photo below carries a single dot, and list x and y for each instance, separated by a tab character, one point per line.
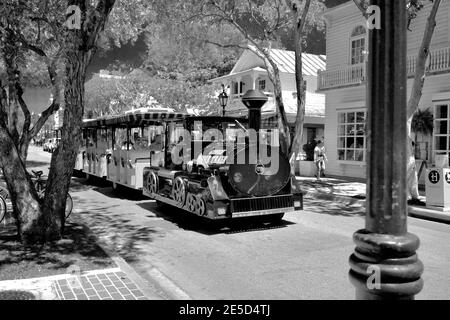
216	118
148	116
134	119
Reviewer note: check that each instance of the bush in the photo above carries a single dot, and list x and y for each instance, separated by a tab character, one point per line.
309	150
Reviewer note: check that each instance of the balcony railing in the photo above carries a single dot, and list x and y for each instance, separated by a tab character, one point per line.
438	61
343	76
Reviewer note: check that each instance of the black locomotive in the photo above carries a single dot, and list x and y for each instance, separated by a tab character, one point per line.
222	167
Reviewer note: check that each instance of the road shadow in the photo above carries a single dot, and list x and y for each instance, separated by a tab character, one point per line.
122	235
77	248
333	208
191	222
104	187
329	187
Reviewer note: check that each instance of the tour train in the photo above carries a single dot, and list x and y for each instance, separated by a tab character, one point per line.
136	149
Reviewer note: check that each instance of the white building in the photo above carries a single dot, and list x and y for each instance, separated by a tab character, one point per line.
250	73
344	85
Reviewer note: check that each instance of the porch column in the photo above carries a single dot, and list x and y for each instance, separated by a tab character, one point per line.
254	76
238	80
384	264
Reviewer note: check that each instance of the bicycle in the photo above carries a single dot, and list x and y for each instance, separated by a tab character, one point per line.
3	207
39	184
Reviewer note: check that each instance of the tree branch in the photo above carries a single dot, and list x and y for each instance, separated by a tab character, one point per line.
96	22
304	15
44	117
362	6
424	52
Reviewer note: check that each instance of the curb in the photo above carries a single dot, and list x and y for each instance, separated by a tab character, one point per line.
413	211
427	214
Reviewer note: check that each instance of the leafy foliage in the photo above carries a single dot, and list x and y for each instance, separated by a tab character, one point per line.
140	89
422	122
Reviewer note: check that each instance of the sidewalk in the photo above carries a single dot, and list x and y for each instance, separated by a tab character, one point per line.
107	284
352	191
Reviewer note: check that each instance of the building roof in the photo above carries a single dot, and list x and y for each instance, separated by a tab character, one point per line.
314	108
284	59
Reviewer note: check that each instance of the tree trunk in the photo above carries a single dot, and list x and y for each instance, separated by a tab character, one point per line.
30	219
64	157
80	45
416	94
413	181
10	56
274	75
283	125
300	117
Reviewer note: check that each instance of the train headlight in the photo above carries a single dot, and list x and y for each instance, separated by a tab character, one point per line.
221	211
237	177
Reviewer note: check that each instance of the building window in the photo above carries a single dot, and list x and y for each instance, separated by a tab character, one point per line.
351	136
235	88
262	84
358	42
442	131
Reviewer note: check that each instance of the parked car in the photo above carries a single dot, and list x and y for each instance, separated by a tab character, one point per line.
54	144
46	145
51	144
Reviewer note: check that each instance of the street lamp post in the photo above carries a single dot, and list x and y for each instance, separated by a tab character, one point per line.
384	264
223	99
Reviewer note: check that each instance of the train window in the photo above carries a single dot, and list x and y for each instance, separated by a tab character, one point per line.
91	138
84	138
176	132
145	137
156	135
102	142
109	138
121	139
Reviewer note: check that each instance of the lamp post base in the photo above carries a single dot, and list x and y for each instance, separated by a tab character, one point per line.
385	267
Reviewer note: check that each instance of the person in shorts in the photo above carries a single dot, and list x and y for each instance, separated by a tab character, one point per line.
319	159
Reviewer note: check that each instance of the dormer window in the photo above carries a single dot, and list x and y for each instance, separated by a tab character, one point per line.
358	43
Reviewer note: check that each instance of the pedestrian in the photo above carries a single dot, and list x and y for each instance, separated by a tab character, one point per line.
319	159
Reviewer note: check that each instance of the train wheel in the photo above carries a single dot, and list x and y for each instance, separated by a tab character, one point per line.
152	183
179	191
200	207
190	200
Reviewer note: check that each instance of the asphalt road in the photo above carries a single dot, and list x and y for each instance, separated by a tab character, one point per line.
306	257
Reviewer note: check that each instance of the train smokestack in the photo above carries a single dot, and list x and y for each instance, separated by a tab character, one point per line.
254	100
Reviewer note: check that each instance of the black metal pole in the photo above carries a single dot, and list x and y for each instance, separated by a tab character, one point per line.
385	264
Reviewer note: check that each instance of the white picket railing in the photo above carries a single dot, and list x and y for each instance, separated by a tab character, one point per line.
438	61
341	77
